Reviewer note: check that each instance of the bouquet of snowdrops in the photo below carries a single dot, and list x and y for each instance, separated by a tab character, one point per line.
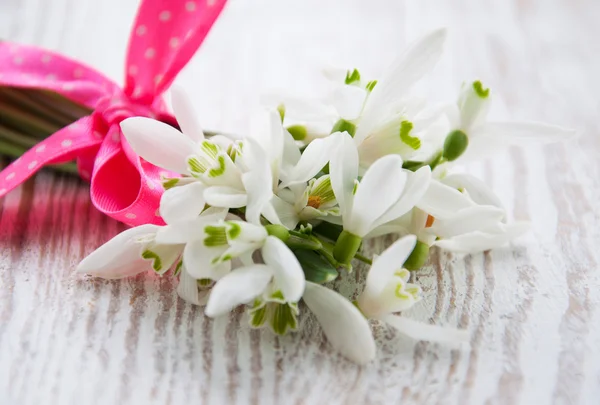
271	219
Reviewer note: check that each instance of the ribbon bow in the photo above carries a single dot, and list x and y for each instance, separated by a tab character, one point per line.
165	35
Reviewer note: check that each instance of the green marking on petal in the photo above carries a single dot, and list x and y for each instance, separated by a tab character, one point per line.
405	128
204	282
195	166
170	183
277	295
258	316
355	188
344	126
284	318
352	77
323	190
210	149
234	230
371	85
298	132
479	90
156	261
281	111
220	170
216	236
400	292
178	268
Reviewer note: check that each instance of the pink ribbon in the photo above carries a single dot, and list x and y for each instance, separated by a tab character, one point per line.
165	35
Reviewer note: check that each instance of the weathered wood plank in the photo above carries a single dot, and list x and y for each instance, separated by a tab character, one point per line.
531	308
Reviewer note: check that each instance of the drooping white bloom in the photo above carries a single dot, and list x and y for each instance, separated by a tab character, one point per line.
202	160
281	275
147	246
387	291
469	125
385	192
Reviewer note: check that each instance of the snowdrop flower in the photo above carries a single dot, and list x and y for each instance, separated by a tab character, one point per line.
387	291
206	161
147	246
384	193
274	287
469	127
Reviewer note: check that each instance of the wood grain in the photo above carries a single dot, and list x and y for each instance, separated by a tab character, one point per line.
532	308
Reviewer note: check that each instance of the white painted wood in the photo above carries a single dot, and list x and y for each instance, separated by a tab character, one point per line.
531	308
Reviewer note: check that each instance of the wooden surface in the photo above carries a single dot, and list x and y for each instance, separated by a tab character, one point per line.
532	308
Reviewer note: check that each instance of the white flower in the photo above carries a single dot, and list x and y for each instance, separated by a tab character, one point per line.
147	246
206	161
388	291
384	193
279	282
469	126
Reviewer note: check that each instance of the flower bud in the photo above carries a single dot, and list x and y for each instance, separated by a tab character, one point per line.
279	231
455	144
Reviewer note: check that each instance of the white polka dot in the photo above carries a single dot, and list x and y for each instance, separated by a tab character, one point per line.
137	91
2	190
189	34
46	59
18	60
16	162
165	16
10	176
140	30
68	86
130	215
66	143
32	164
190	6
97	135
210	3
115	136
40	148
158	79
51	77
150	184
149	54
174	42
77	73
133	70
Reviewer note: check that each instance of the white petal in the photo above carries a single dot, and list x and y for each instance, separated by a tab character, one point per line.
345	327
348	101
188	288
258	181
477	218
389	262
289	276
189	230
224	196
343	168
286	213
479	192
185	114
523	132
182	203
238	287
476	242
313	159
378	191
119	257
416	186
158	143
197	259
432	333
443	201
405	71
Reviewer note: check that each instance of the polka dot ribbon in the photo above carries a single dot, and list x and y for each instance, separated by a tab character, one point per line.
165	35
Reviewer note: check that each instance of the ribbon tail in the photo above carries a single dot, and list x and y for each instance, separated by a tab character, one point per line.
63	146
